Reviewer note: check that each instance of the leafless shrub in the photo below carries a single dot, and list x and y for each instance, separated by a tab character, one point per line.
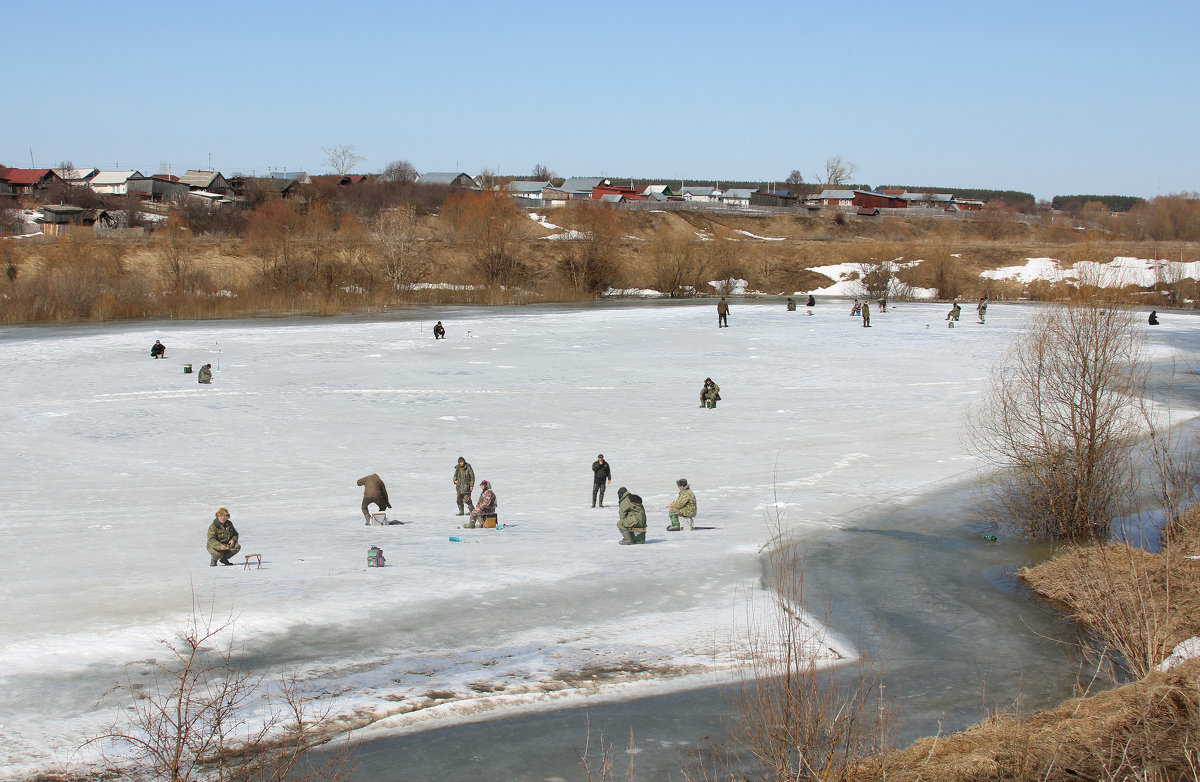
191	723
797	721
678	267
1056	421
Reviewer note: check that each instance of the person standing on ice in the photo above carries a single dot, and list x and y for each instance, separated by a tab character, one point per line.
464	484
486	506
205	375
981	308
710	393
722	313
684	506
439	331
631	515
866	315
373	492
222	539
601	472
158	349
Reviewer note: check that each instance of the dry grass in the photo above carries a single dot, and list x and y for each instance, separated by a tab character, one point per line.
327	270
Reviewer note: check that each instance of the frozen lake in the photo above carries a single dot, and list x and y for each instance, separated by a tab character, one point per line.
114	463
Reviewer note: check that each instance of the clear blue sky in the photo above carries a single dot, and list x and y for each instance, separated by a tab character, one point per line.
1048	97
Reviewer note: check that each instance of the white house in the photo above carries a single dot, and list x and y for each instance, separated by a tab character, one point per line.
737	196
113	182
527	191
702	194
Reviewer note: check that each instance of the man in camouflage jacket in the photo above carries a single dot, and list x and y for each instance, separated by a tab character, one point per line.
683	506
464	484
631	515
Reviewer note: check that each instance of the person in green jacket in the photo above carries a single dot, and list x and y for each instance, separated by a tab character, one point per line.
464	484
684	506
222	539
631	515
710	393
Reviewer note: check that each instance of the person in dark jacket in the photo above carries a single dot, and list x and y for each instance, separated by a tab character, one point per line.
485	507
722	313
464	484
1153	317
439	331
374	491
601	474
158	350
631	515
205	375
811	301
222	539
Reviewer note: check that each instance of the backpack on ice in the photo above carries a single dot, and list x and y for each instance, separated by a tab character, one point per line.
375	557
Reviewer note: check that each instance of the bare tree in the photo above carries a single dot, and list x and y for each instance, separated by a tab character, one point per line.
341	158
399	172
542	173
588	264
492	227
794	179
401	251
174	250
1057	421
838	171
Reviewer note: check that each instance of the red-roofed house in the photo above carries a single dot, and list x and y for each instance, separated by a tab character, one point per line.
25	181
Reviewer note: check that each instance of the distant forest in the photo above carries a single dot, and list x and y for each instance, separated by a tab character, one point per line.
1073	204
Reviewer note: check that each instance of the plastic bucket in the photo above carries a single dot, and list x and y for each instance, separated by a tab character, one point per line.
187	369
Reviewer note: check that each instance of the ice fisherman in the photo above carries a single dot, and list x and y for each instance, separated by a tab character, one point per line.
631	515
866	315
856	309
683	507
722	313
464	484
158	349
485	507
954	312
883	305
791	304
374	491
981	308
1153	317
222	539
811	301
601	476
710	393
439	331
205	375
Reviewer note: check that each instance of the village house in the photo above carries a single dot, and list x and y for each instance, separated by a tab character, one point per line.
30	181
455	179
58	219
774	198
525	192
737	196
612	194
158	188
582	186
112	182
703	195
207	181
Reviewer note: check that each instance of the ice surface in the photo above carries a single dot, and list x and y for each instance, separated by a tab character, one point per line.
114	463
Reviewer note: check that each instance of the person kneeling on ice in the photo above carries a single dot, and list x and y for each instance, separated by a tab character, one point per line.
158	349
485	507
205	375
222	539
954	312
631	515
683	506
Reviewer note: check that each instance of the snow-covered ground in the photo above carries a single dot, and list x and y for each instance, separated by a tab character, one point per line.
114	463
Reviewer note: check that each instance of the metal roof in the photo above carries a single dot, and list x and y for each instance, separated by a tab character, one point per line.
114	177
526	186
